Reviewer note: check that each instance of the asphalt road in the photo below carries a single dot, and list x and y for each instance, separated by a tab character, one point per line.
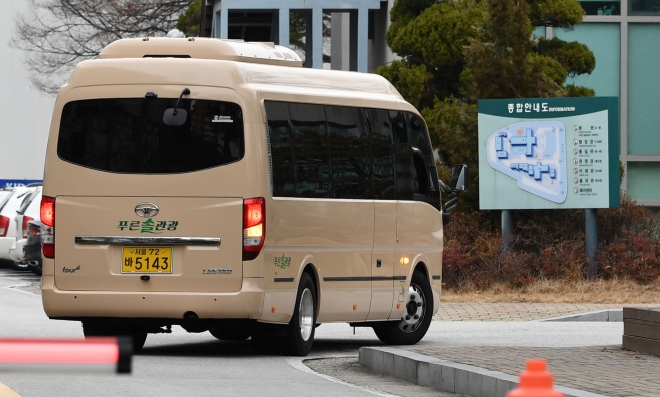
182	364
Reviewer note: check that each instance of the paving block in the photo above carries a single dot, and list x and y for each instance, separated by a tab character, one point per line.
448	379
383	362
462	381
503	386
423	376
405	368
435	376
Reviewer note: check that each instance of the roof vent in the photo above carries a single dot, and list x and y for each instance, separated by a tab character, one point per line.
202	48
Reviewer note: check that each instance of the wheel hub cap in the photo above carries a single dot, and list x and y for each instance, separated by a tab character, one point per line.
306	312
415	306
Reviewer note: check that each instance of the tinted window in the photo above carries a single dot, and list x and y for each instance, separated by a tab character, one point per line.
402	156
349	153
281	149
382	143
420	175
399	125
129	136
422	155
419	136
310	141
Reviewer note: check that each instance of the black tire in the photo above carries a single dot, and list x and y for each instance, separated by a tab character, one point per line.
263	341
230	332
402	332
299	336
92	329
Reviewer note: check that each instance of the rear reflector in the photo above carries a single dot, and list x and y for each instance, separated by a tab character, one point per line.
4	226
48	249
24	226
254	230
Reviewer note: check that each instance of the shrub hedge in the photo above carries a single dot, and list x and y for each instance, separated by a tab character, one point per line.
549	244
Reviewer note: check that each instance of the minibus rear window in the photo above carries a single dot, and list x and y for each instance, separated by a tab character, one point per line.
128	135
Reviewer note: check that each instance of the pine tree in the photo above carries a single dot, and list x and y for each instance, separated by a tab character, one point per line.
457	52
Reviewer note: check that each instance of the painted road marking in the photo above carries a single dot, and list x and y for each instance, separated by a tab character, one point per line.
5	391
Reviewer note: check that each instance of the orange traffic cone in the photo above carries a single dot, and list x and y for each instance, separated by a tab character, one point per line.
536	381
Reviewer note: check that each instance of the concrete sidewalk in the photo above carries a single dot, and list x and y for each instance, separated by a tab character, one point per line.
491	371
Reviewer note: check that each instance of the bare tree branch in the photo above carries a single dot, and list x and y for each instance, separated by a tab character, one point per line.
56	35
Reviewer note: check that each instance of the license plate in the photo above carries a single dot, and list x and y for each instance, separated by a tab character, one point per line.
146	260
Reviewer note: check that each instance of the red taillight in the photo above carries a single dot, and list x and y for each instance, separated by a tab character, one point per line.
24	226
4	226
47	214
47	211
254	227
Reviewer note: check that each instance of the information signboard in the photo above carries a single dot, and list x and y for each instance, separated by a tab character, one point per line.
549	153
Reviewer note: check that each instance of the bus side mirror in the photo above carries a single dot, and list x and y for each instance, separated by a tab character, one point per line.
459	178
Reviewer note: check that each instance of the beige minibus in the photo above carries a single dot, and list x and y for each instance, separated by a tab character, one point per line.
220	186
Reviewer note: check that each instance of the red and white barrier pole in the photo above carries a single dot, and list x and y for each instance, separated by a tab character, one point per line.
110	355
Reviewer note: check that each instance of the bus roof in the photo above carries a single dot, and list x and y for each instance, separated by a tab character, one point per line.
202	48
214	62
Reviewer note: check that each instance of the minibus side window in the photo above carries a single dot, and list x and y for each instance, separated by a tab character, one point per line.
382	145
281	149
403	156
349	153
422	157
310	142
423	162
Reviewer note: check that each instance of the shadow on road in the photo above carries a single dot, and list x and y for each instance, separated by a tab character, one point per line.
244	348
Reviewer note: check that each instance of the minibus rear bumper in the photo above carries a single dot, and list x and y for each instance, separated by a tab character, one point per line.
246	303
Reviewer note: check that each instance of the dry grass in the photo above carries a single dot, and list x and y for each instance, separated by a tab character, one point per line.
600	291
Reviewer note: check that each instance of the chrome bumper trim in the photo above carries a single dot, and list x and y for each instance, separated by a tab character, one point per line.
118	240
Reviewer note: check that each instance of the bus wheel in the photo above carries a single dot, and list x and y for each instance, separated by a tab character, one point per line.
416	320
262	339
92	329
300	331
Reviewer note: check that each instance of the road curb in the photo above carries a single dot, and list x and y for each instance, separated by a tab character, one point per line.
607	315
446	375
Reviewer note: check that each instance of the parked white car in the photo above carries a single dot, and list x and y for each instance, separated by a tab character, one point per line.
4	193
28	211
8	208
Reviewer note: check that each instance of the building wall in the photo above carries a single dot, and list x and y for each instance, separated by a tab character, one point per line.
627	50
24	113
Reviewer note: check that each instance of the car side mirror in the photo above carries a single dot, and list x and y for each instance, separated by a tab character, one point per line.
459	178
174	116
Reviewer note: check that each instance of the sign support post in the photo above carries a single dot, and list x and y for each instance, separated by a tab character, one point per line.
591	239
507	229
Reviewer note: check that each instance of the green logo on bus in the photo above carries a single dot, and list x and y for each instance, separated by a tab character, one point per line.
283	262
148	226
